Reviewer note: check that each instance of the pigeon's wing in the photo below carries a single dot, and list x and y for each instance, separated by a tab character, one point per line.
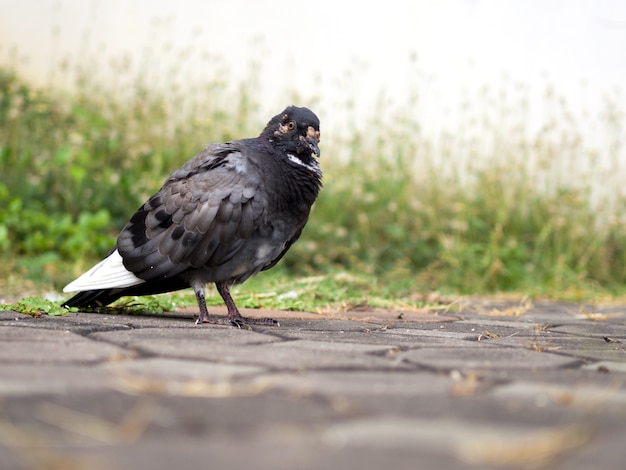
200	218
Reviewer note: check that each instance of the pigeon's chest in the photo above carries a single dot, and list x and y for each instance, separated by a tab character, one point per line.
293	191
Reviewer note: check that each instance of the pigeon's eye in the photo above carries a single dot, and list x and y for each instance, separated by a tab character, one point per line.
291	125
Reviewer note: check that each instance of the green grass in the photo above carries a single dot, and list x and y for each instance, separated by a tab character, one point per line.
277	289
490	208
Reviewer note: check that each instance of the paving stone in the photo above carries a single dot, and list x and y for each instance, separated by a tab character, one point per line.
606	366
301	354
588	396
565	317
588	348
474	443
486	358
522	327
335	347
439	333
180	370
231	345
182	342
391	337
477	329
480	407
340	325
49	377
288	450
588	373
28	345
598	329
89	322
86	322
390	316
390	384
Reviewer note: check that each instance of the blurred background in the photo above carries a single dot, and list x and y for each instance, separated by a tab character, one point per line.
469	146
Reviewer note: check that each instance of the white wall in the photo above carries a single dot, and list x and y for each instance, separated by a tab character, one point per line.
459	45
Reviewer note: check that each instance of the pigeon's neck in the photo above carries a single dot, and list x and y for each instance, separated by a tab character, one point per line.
310	164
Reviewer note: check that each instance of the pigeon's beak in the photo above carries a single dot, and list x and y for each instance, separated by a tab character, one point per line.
313	138
313	146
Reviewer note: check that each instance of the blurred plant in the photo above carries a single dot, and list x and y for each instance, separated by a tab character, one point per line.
491	206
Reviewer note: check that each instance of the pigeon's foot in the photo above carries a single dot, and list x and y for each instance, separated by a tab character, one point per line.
239	321
213	320
234	317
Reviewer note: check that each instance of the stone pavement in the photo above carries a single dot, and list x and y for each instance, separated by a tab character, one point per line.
487	386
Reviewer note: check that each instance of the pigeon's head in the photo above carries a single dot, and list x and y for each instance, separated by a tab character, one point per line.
297	131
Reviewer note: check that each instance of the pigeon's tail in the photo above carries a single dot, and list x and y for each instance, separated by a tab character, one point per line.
94	298
102	297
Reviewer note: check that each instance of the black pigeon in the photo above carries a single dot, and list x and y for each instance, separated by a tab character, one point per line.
231	211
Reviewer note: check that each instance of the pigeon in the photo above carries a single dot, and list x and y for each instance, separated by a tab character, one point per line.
228	213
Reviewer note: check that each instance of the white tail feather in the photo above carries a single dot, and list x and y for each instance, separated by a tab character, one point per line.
107	274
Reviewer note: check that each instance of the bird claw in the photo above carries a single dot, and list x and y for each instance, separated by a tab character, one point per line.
239	321
245	322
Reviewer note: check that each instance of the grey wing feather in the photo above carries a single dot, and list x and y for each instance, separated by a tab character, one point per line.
200	218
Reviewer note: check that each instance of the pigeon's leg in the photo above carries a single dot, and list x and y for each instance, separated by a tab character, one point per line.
204	313
234	317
